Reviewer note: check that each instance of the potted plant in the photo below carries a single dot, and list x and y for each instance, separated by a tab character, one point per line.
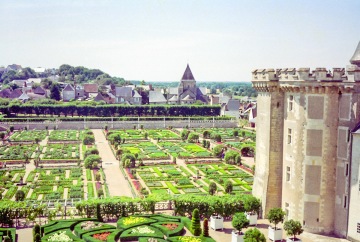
254	235
239	222
293	228
275	216
252	206
216	222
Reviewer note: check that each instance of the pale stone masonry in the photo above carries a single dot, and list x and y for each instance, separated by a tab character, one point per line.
303	151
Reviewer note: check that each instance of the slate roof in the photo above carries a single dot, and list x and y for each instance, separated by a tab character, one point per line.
90	88
39	91
35	96
223	98
202	90
99	98
156	97
24	96
69	87
355	59
20	83
5	93
136	94
173	98
15	93
123	91
233	105
187	98
188	74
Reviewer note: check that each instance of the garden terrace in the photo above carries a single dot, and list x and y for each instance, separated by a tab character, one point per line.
185	150
28	136
146	150
221	173
129	134
60	152
162	134
54	184
18	153
64	136
8	182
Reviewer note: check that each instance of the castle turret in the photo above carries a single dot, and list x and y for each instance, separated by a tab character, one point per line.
302	142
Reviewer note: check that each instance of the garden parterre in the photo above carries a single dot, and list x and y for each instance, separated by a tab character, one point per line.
136	227
60	152
65	135
17	152
28	135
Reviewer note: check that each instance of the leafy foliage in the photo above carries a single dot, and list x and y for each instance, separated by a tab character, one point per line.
239	221
195	223
254	235
293	228
275	216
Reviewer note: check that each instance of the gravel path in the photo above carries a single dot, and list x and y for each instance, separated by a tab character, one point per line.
117	184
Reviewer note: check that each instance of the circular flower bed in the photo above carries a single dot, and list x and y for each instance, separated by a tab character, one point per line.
90	225
170	226
133	220
142	230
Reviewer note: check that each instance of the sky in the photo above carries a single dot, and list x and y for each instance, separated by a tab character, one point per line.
153	40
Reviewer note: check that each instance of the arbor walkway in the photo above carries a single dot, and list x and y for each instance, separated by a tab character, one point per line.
118	185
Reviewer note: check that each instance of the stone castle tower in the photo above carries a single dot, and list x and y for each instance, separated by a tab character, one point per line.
303	142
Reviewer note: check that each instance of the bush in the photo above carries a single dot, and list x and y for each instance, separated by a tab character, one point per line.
216	137
212	188
230	156
206	134
275	216
239	221
19	195
218	151
206	228
184	134
195	223
293	228
254	235
228	187
88	140
193	138
91	160
91	151
114	138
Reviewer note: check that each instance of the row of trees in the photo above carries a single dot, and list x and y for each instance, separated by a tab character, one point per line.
109	110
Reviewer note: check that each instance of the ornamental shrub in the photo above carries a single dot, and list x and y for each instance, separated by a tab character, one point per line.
239	221
193	138
91	151
195	223
230	156
218	151
90	160
206	134
88	140
184	134
293	228
206	228
216	137
212	188
19	195
228	187
254	235
275	216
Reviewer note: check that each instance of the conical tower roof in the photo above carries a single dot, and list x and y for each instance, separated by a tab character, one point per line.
355	59
188	74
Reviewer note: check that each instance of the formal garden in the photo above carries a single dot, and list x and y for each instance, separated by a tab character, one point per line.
193	179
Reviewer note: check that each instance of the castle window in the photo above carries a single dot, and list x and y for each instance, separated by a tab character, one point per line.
291	102
288	173
346	169
289	136
287	209
358	228
345	201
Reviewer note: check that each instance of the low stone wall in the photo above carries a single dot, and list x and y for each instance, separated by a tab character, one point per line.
79	125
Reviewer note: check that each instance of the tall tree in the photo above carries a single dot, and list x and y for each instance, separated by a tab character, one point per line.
55	92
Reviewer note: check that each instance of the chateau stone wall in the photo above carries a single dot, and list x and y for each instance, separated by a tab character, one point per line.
318	110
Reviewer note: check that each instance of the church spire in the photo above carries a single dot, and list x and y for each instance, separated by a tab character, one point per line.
188	74
355	59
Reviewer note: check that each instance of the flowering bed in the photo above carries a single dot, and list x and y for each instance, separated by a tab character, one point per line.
101	236
132	221
59	237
